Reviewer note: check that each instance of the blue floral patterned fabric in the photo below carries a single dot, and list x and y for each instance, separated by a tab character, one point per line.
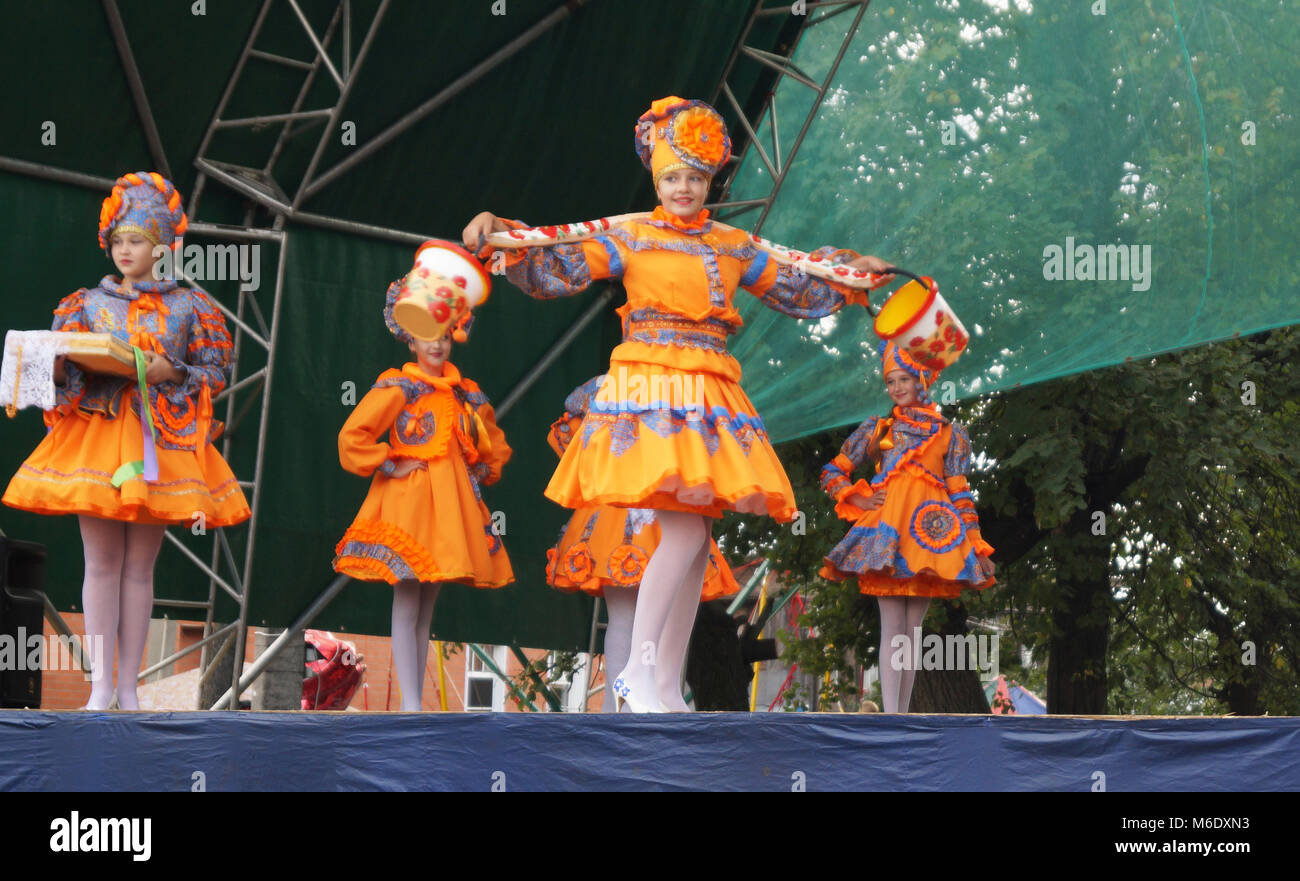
870	549
187	325
579	400
625	420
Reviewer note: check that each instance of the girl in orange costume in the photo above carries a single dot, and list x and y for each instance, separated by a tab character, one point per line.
97	428
423	523
603	551
670	428
915	532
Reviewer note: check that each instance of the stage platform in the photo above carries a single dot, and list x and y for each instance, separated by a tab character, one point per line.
246	751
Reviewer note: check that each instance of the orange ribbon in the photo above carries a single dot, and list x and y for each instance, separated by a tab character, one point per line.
143	339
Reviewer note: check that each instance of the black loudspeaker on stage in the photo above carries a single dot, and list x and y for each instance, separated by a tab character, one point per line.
22	612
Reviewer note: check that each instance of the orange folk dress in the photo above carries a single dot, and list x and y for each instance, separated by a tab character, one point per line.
95	428
432	524
924	541
603	546
670	428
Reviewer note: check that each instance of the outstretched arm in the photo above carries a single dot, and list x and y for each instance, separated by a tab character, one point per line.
547	271
791	291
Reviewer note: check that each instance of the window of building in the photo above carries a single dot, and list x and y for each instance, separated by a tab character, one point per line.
484	690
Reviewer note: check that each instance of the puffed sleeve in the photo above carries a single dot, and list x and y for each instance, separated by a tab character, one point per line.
360	450
793	292
561	432
835	479
549	271
956	465
207	354
493	450
69	317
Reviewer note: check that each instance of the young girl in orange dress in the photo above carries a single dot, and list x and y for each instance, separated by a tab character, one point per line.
424	522
670	428
603	551
97	430
915	533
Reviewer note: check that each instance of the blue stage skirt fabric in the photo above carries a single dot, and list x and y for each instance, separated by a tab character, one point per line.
246	751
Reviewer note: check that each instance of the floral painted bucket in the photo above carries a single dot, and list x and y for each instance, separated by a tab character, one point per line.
920	320
440	290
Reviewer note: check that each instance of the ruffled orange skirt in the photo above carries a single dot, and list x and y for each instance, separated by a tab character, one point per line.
912	545
604	546
668	439
427	526
71	472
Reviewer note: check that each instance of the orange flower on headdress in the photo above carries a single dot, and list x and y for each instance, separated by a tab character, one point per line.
699	132
675	133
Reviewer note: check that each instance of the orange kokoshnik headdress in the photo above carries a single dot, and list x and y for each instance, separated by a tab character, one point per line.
144	202
438	294
676	133
895	357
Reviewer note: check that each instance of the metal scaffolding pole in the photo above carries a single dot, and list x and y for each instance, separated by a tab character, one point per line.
557	348
812	111
225	99
312	69
137	88
257	472
345	92
305	617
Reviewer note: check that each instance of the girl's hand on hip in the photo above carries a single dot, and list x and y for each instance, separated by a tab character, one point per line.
868	503
403	467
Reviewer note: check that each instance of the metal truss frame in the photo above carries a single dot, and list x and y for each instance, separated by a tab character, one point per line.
776	163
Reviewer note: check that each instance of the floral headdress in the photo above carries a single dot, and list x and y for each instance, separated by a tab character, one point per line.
143	202
895	357
676	133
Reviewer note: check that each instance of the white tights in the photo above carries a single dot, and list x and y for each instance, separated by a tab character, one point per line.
117	596
413	603
620	606
898	615
666	606
676	637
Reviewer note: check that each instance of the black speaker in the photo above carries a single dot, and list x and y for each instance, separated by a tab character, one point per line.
22	614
